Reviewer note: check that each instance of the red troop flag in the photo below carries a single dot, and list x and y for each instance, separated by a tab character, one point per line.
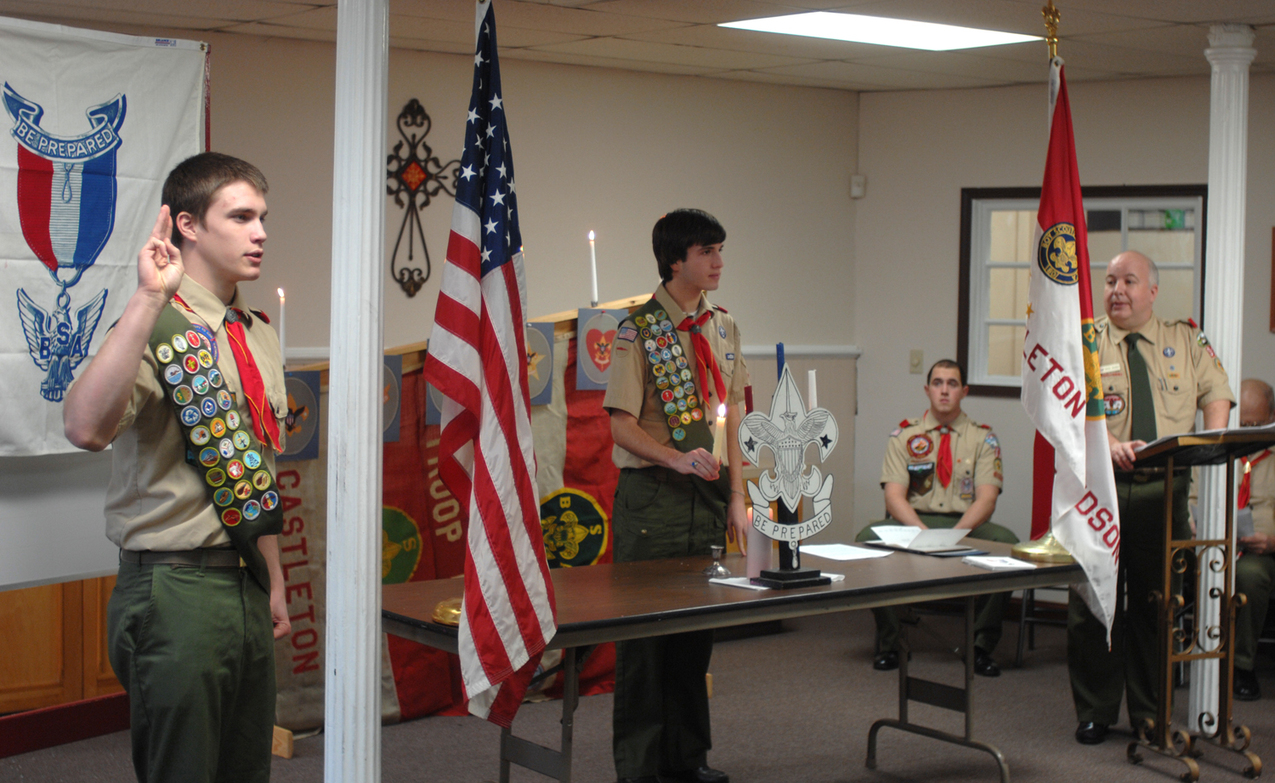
478	360
1075	491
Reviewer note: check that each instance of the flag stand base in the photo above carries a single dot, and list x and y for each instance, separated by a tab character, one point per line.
787	579
1045	549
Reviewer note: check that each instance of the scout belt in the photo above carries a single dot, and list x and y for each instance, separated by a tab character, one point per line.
679	396
218	446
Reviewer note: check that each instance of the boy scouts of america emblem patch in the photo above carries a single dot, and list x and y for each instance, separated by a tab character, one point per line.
1056	255
66	204
920	445
574	528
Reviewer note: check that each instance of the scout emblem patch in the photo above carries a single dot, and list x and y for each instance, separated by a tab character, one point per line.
246	502
1114	404
920	446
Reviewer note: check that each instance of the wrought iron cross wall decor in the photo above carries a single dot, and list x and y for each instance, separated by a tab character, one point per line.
414	179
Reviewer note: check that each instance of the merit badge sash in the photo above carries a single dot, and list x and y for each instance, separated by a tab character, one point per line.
682	402
240	486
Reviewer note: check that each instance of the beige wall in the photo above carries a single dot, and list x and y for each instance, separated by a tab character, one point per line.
918	149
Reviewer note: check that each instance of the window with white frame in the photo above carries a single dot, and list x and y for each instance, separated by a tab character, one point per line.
998	230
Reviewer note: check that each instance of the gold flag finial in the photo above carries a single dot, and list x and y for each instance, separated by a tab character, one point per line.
1050	12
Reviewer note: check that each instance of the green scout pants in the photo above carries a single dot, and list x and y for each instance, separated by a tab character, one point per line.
1100	676
1254	577
660	719
989	609
194	649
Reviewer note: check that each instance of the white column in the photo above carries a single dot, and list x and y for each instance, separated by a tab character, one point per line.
352	704
1230	52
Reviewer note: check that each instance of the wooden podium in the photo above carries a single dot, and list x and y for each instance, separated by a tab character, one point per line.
1213	447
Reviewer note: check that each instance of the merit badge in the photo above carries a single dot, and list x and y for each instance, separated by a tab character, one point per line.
920	446
173	374
232	419
670	367
662	341
223	496
1114	404
697	414
653	356
209	457
205	358
243	490
674	420
1169	352
647	333
691	399
661	382
215	477
192	337
270	500
164	353
235	469
666	354
183	395
200	384
218	427
214	377
649	345
179	343
679	434
676	349
200	435
667	395
686	418
681	362
658	369
242	440
261	480
223	399
251	509
209	342
681	405
640	320
686	374
209	406
669	409
191	364
660	315
190	416
226	448
679	392
230	517
252	459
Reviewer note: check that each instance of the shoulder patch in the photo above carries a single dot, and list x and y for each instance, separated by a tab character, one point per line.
626	333
895	432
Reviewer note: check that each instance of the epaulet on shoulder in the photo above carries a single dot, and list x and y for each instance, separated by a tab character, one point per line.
905	423
986	426
721	309
260	315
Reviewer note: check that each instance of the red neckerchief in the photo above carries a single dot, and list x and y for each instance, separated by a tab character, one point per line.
705	361
1246	490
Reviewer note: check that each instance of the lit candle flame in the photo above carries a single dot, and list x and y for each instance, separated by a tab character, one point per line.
280	294
590	236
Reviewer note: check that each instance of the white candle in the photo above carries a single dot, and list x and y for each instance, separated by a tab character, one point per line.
283	354
719	433
593	265
812	400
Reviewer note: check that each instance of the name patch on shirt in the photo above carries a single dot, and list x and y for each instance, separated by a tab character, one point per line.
1110	369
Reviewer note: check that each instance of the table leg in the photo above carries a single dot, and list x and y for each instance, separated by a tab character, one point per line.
555	764
938	695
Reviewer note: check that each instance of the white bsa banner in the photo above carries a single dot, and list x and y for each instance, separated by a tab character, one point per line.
92	123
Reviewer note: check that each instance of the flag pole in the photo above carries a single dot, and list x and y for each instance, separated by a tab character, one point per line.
1046	549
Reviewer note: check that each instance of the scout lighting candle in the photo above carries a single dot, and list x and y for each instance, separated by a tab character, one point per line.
283	354
593	266
812	397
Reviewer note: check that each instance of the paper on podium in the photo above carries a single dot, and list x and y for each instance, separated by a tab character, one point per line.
841	552
919	540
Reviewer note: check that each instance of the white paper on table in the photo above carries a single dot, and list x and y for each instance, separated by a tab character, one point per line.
910	537
843	552
994	563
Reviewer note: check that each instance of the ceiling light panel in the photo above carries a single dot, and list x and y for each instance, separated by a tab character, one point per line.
881	31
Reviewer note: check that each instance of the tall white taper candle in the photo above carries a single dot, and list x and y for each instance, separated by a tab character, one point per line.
283	353
593	266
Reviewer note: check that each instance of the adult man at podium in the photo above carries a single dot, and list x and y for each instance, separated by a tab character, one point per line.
1155	375
674	362
944	470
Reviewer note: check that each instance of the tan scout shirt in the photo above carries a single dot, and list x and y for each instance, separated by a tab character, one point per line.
632	388
1262	492
911	459
1185	375
156	500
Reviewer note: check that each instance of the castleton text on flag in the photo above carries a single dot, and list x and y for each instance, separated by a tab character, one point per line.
477	360
91	124
1062	389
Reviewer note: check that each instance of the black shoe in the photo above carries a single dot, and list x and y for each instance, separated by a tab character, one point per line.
887	661
1246	687
984	664
1091	733
703	774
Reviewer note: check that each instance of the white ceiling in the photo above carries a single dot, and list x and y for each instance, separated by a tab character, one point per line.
1100	39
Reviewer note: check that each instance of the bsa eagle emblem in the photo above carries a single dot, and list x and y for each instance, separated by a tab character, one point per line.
1056	255
66	203
787	432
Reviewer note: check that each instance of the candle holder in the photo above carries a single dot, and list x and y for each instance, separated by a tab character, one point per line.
716	570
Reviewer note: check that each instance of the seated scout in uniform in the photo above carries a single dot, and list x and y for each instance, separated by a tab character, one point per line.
1255	563
188	387
943	470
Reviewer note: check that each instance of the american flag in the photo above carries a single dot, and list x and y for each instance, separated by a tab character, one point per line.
478	360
